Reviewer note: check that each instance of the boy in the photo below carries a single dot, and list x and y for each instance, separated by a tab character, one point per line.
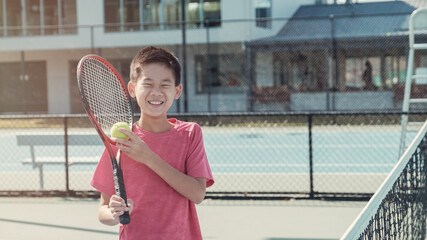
164	164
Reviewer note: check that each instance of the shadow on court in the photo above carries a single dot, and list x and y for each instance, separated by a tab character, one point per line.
56	226
70	219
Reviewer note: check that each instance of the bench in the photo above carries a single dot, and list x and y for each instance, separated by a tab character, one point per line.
57	140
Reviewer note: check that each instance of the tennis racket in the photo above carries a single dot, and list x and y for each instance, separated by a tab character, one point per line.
106	101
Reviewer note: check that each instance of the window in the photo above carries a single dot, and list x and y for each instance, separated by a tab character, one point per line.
205	13
220	73
112	15
151	14
32	15
132	15
13	17
193	13
37	17
423	61
1	20
356	69
421	69
172	14
279	74
303	72
395	70
263	11
212	13
50	10
23	92
68	16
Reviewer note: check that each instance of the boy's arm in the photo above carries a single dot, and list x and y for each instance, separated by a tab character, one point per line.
110	209
192	188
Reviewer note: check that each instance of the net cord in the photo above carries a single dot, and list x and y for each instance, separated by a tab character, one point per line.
362	221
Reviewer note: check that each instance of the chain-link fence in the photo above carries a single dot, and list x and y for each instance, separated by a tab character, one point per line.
344	62
252	155
273	76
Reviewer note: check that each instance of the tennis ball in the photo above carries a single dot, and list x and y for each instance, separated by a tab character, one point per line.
115	133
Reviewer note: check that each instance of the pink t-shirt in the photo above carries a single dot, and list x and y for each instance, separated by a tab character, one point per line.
159	211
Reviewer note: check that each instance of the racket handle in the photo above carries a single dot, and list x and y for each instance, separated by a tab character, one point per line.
121	192
125	218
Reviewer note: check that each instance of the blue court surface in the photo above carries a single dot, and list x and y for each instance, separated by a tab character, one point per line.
256	150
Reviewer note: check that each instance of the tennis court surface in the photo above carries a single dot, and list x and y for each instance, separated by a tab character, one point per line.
66	219
244	159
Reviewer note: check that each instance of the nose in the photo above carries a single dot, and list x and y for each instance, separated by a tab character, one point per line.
156	92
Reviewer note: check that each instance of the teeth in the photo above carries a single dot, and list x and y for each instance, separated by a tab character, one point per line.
155	102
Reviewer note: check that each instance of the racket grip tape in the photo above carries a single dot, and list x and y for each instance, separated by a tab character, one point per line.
121	192
125	218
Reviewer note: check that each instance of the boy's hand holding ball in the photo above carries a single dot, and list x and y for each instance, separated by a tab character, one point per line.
115	133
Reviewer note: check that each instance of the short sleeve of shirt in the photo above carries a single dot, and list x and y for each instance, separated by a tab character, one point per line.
197	162
102	179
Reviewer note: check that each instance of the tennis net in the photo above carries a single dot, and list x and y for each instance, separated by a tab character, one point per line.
398	209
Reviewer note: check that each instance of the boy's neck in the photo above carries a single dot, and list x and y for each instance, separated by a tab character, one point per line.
156	125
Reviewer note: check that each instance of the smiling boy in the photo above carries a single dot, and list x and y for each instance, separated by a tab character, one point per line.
165	168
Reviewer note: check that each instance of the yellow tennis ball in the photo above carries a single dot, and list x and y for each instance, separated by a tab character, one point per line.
115	133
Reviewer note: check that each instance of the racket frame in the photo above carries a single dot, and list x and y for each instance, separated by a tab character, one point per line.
115	159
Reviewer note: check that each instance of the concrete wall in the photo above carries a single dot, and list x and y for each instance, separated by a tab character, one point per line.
343	101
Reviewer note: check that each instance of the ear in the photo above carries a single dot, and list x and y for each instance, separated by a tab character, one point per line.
178	91
131	89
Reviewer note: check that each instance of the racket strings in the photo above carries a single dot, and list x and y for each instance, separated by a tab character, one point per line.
105	95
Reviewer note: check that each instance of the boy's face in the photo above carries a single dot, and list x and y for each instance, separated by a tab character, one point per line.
155	90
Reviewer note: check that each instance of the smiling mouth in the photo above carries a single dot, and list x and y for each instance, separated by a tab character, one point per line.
155	102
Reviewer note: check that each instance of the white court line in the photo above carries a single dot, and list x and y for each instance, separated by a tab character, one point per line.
271	164
300	165
262	146
255	146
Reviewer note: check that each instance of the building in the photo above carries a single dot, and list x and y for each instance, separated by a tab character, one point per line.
240	55
320	55
41	42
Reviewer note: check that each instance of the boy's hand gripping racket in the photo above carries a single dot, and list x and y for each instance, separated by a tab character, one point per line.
106	101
